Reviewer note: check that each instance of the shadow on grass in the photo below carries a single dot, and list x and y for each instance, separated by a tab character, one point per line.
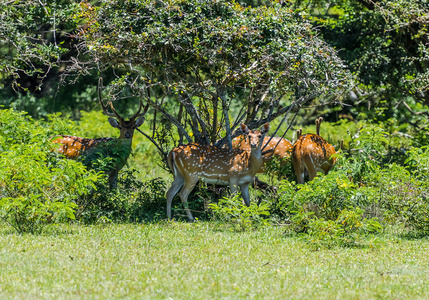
414	235
51	230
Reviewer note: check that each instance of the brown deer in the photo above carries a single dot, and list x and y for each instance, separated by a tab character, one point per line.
276	148
120	148
312	153
235	167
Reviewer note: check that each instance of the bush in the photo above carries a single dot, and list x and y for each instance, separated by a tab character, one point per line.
238	216
347	230
282	169
132	201
365	187
36	186
325	196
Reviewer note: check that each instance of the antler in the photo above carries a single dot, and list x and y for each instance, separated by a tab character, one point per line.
138	114
115	114
104	107
318	122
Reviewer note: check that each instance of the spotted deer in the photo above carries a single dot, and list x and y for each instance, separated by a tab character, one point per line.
313	154
118	149
233	167
276	148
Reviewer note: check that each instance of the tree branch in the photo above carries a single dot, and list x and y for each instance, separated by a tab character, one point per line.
413	112
222	96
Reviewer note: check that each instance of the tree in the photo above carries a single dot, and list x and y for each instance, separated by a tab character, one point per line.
385	43
36	39
211	65
38	55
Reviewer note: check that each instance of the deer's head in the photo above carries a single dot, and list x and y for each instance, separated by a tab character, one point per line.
255	137
125	127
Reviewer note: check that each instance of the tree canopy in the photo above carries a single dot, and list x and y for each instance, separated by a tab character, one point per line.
206	66
211	56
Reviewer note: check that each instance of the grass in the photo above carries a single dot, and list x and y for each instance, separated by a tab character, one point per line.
195	261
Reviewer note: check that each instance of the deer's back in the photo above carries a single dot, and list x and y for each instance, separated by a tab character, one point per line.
74	146
312	146
209	161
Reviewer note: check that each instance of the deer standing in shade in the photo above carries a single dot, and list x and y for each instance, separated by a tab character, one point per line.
119	149
233	167
277	147
274	149
312	153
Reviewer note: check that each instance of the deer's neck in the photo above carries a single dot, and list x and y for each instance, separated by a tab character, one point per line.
125	142
255	160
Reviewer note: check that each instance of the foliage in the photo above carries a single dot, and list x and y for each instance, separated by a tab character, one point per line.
106	156
280	168
40	69
326	196
347	230
367	186
36	186
234	214
132	201
418	162
385	44
35	38
329	210
217	59
405	190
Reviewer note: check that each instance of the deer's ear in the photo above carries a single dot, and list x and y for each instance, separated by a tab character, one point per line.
265	128
114	122
138	122
244	129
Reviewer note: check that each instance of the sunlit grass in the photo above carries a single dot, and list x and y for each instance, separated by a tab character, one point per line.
194	261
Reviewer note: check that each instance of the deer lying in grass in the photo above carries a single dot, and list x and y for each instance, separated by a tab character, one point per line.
235	167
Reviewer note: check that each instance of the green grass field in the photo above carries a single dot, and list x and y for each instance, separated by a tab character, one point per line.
195	261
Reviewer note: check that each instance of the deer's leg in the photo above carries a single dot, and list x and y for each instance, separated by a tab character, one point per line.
172	191
327	166
233	185
299	168
184	193
113	180
245	193
312	168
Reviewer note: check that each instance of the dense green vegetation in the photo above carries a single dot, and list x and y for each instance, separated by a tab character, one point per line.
204	67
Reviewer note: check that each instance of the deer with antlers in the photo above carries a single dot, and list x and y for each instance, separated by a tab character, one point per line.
312	153
233	167
117	149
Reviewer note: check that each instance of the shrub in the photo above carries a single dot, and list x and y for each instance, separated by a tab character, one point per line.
325	196
132	201
280	169
366	179
347	230
36	186
233	213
